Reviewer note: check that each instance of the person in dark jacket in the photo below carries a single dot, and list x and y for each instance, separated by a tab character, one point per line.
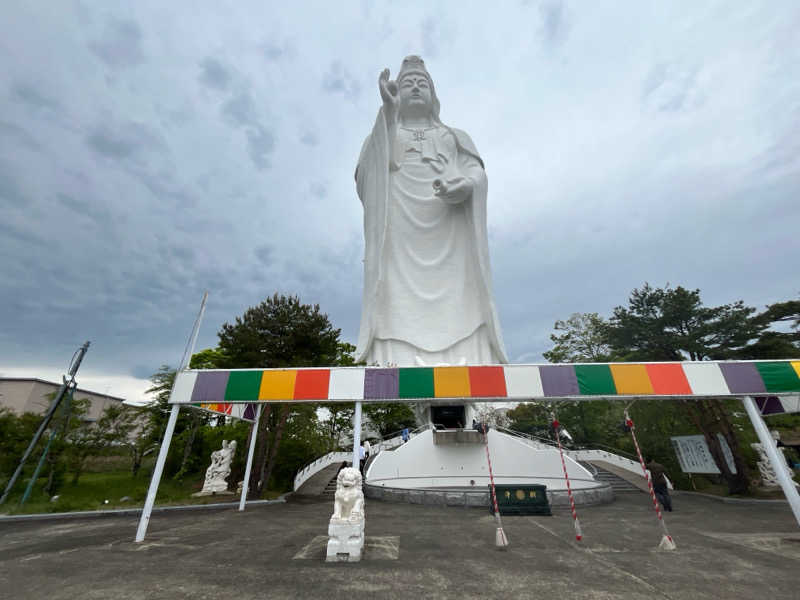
660	483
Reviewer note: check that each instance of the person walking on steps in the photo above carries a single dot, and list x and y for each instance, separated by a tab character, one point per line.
660	487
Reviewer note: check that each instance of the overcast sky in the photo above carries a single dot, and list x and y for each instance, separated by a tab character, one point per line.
153	150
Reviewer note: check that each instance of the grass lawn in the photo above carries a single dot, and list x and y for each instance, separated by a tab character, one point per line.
94	489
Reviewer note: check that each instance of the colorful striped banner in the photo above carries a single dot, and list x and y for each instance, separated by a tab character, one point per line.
221	389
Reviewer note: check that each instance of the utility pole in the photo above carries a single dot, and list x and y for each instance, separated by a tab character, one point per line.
65	385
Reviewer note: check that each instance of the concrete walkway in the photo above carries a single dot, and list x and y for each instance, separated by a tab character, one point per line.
276	551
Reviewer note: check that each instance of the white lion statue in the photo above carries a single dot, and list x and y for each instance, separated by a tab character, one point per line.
348	504
346	527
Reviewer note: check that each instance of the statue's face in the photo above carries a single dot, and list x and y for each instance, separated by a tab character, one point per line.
415	94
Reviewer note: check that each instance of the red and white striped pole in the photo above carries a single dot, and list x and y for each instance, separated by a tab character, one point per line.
577	523
500	539
667	543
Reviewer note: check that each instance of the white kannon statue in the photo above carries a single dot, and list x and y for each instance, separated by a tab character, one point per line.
219	470
427	284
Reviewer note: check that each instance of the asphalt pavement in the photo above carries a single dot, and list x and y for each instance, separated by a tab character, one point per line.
277	551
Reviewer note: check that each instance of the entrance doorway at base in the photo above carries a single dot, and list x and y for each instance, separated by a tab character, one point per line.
448	417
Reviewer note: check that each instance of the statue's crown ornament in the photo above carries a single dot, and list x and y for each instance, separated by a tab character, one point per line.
413	64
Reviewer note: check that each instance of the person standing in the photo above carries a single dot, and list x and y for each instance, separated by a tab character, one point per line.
405	435
361	458
367	448
660	487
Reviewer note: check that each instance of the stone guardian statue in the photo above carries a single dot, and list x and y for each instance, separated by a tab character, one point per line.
219	470
427	296
346	527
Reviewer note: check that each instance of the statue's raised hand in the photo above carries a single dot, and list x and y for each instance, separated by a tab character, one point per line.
389	91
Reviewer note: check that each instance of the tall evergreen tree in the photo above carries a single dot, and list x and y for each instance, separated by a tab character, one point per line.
673	324
279	332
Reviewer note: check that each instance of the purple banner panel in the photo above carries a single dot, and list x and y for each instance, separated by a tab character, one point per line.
559	380
250	412
381	383
769	405
210	387
742	378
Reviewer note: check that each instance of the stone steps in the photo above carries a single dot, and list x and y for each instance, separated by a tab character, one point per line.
618	484
330	489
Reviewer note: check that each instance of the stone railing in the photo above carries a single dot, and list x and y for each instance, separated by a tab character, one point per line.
615	459
316	466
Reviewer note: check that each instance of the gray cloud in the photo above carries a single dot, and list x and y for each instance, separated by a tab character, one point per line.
260	144
131	140
318	189
671	88
214	74
120	45
10	189
554	21
161	170
19	135
429	29
264	254
274	51
240	110
310	138
33	97
339	80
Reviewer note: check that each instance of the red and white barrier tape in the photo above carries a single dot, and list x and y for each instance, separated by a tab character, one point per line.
501	540
668	542
578	532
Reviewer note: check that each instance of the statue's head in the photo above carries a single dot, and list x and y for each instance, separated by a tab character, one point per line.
349	477
416	91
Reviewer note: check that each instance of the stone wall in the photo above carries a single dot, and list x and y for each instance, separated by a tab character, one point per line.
602	494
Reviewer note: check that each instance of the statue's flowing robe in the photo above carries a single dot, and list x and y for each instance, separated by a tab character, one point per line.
427	284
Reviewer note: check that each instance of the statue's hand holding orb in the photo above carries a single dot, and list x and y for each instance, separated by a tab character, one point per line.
453	191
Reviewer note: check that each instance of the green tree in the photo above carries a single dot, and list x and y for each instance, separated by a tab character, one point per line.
673	324
582	339
156	415
772	343
279	332
114	428
16	432
530	417
338	420
390	417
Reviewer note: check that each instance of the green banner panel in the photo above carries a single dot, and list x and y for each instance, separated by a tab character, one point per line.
595	380
243	385
779	376
416	382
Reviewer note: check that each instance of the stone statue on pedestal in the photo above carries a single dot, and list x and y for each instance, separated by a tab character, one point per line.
769	479
427	284
346	527
219	470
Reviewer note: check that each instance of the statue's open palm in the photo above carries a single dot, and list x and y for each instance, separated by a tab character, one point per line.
389	90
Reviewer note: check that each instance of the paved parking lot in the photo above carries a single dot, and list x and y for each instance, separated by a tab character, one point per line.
277	551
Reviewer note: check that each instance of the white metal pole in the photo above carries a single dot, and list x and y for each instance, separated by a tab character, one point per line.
356	435
778	465
173	418
189	351
251	448
162	458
